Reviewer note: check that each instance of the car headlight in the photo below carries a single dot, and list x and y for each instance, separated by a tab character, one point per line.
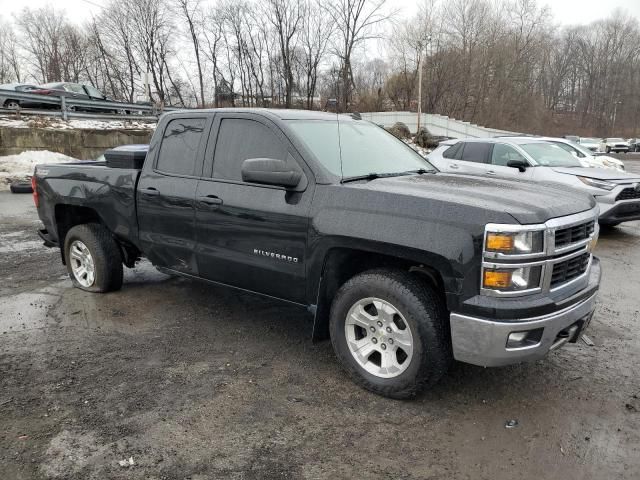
514	243
592	182
507	279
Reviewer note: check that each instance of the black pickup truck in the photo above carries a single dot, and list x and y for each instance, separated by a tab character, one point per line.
403	267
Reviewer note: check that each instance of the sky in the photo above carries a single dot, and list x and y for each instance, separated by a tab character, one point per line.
567	12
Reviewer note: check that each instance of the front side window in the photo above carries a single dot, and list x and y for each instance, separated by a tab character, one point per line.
476	152
502	154
179	148
353	148
239	140
550	155
73	87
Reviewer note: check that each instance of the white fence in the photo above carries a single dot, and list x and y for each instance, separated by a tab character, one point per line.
436	124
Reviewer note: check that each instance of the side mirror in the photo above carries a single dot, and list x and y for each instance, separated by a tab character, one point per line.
270	171
521	165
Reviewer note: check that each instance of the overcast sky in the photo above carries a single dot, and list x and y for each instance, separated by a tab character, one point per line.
564	11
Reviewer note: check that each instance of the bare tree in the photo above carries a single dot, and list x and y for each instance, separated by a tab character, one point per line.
316	33
354	21
191	12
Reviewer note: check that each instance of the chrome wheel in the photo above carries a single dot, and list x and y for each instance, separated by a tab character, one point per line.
82	264
378	337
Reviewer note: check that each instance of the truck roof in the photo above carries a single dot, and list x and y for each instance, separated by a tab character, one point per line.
282	114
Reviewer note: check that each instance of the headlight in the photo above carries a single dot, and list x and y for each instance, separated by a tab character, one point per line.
592	182
514	243
511	279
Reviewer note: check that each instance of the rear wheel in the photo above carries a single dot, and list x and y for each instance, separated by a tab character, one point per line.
93	259
388	329
12	104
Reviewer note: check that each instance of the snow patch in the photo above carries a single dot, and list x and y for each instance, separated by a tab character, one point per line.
79	124
21	166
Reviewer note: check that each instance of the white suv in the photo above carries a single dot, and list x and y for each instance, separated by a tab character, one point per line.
614	145
617	192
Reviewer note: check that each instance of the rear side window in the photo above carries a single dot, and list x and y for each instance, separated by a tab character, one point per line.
179	147
239	140
453	151
476	152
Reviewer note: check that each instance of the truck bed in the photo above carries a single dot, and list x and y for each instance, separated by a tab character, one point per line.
89	185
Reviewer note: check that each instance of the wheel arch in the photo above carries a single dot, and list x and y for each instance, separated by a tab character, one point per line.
68	216
342	263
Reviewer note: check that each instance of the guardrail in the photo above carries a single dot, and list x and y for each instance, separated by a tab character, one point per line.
69	107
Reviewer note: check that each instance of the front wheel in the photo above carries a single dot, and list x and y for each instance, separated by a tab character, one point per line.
389	332
93	259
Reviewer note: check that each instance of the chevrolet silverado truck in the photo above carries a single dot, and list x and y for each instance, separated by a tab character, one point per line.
403	267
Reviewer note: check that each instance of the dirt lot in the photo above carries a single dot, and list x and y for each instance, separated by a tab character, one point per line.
193	381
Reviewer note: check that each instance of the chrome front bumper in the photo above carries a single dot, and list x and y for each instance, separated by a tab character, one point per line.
484	342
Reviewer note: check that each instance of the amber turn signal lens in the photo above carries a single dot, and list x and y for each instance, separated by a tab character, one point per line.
497	279
499	242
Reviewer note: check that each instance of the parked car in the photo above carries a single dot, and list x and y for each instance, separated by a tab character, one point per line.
536	160
590	143
586	157
617	145
7	101
634	144
572	138
404	267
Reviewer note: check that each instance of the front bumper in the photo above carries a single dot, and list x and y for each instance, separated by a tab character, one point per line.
621	211
483	341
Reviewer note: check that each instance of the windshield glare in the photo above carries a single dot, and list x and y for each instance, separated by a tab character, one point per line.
366	148
550	155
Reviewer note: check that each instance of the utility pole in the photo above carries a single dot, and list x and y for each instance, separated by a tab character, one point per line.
615	112
420	48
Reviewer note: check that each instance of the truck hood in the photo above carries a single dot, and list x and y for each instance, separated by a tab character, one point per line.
525	201
597	173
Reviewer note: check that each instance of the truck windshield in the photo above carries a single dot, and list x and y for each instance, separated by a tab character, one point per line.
550	155
365	148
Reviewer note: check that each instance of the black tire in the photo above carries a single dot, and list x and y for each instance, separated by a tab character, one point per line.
21	187
426	316
608	149
105	253
12	104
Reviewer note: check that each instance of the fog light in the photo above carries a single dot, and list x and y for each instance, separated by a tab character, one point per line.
528	338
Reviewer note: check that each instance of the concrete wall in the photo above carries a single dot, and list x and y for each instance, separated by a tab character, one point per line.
436	124
82	144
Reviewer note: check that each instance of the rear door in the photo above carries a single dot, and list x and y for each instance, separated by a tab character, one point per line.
252	236
166	194
474	158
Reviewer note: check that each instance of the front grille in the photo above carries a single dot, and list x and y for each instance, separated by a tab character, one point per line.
628	194
569	269
569	235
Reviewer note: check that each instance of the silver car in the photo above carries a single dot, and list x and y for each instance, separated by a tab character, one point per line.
617	192
6	99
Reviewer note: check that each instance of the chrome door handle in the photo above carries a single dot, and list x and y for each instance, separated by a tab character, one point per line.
150	191
454	166
490	172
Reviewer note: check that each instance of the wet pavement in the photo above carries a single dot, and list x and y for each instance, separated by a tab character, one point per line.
193	381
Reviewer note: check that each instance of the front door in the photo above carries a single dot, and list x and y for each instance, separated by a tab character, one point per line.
501	155
166	195
251	236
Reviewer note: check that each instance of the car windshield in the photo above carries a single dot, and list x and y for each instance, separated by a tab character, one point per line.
365	148
550	155
590	140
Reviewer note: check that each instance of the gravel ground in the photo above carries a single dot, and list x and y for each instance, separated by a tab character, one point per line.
193	381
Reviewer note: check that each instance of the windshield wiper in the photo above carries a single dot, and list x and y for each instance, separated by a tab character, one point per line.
373	175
